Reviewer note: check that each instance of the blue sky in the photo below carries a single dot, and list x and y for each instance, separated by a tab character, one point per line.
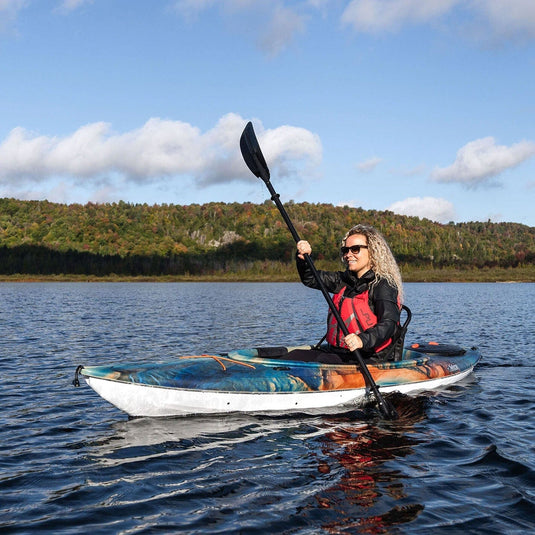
421	107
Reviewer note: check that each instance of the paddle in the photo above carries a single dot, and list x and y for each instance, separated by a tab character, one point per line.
255	161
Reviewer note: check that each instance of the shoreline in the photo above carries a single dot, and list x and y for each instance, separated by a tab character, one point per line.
496	275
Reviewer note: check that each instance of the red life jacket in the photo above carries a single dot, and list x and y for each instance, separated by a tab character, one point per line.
357	315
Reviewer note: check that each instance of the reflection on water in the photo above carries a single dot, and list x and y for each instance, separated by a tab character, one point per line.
363	450
347	477
145	438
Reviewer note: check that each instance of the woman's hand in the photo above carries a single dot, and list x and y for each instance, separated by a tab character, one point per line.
353	342
303	248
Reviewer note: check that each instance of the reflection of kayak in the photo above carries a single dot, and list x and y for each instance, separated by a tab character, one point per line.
246	381
149	438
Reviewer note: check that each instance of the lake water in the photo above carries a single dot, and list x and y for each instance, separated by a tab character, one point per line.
462	461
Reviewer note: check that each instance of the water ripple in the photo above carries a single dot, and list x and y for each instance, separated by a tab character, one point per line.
457	461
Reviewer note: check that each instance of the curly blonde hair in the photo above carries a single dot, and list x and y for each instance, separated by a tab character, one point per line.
382	261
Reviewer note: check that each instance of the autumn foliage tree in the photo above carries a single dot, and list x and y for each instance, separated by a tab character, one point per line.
40	237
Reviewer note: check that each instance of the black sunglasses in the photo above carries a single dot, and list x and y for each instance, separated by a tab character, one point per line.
355	249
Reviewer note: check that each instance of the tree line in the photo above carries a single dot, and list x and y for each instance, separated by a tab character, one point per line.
43	238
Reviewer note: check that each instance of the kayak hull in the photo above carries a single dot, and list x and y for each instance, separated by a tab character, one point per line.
242	381
143	400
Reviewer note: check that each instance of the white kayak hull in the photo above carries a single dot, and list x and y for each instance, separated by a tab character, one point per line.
156	401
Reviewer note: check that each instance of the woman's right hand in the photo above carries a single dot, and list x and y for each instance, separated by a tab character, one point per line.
303	248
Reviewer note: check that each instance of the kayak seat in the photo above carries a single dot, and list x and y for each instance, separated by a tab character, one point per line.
272	352
302	354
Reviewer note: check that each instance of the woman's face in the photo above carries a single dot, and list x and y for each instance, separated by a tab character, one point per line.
357	262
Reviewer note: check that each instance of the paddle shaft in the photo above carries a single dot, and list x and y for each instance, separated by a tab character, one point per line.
386	408
252	154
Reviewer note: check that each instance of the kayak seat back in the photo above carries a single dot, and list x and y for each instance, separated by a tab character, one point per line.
395	350
447	350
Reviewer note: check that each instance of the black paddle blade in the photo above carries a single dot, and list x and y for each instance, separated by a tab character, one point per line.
250	150
387	409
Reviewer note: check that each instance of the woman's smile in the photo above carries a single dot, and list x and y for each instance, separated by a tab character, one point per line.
357	262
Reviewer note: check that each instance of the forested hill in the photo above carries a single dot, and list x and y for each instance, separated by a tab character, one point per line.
40	237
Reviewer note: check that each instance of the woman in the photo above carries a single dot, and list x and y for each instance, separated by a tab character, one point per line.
368	293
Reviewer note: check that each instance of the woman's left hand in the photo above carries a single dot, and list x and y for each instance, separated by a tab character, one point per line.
353	342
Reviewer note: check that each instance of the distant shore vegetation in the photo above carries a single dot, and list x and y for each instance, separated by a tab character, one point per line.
40	240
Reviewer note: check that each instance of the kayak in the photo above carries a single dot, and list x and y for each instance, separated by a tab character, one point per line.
266	380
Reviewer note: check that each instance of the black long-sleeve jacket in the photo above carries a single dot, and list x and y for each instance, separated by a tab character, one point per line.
383	299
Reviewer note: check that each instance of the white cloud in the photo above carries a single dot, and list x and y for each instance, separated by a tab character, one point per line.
369	165
508	18
279	21
351	203
7	6
383	15
280	31
160	148
274	23
9	10
190	9
71	5
481	160
431	208
484	19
